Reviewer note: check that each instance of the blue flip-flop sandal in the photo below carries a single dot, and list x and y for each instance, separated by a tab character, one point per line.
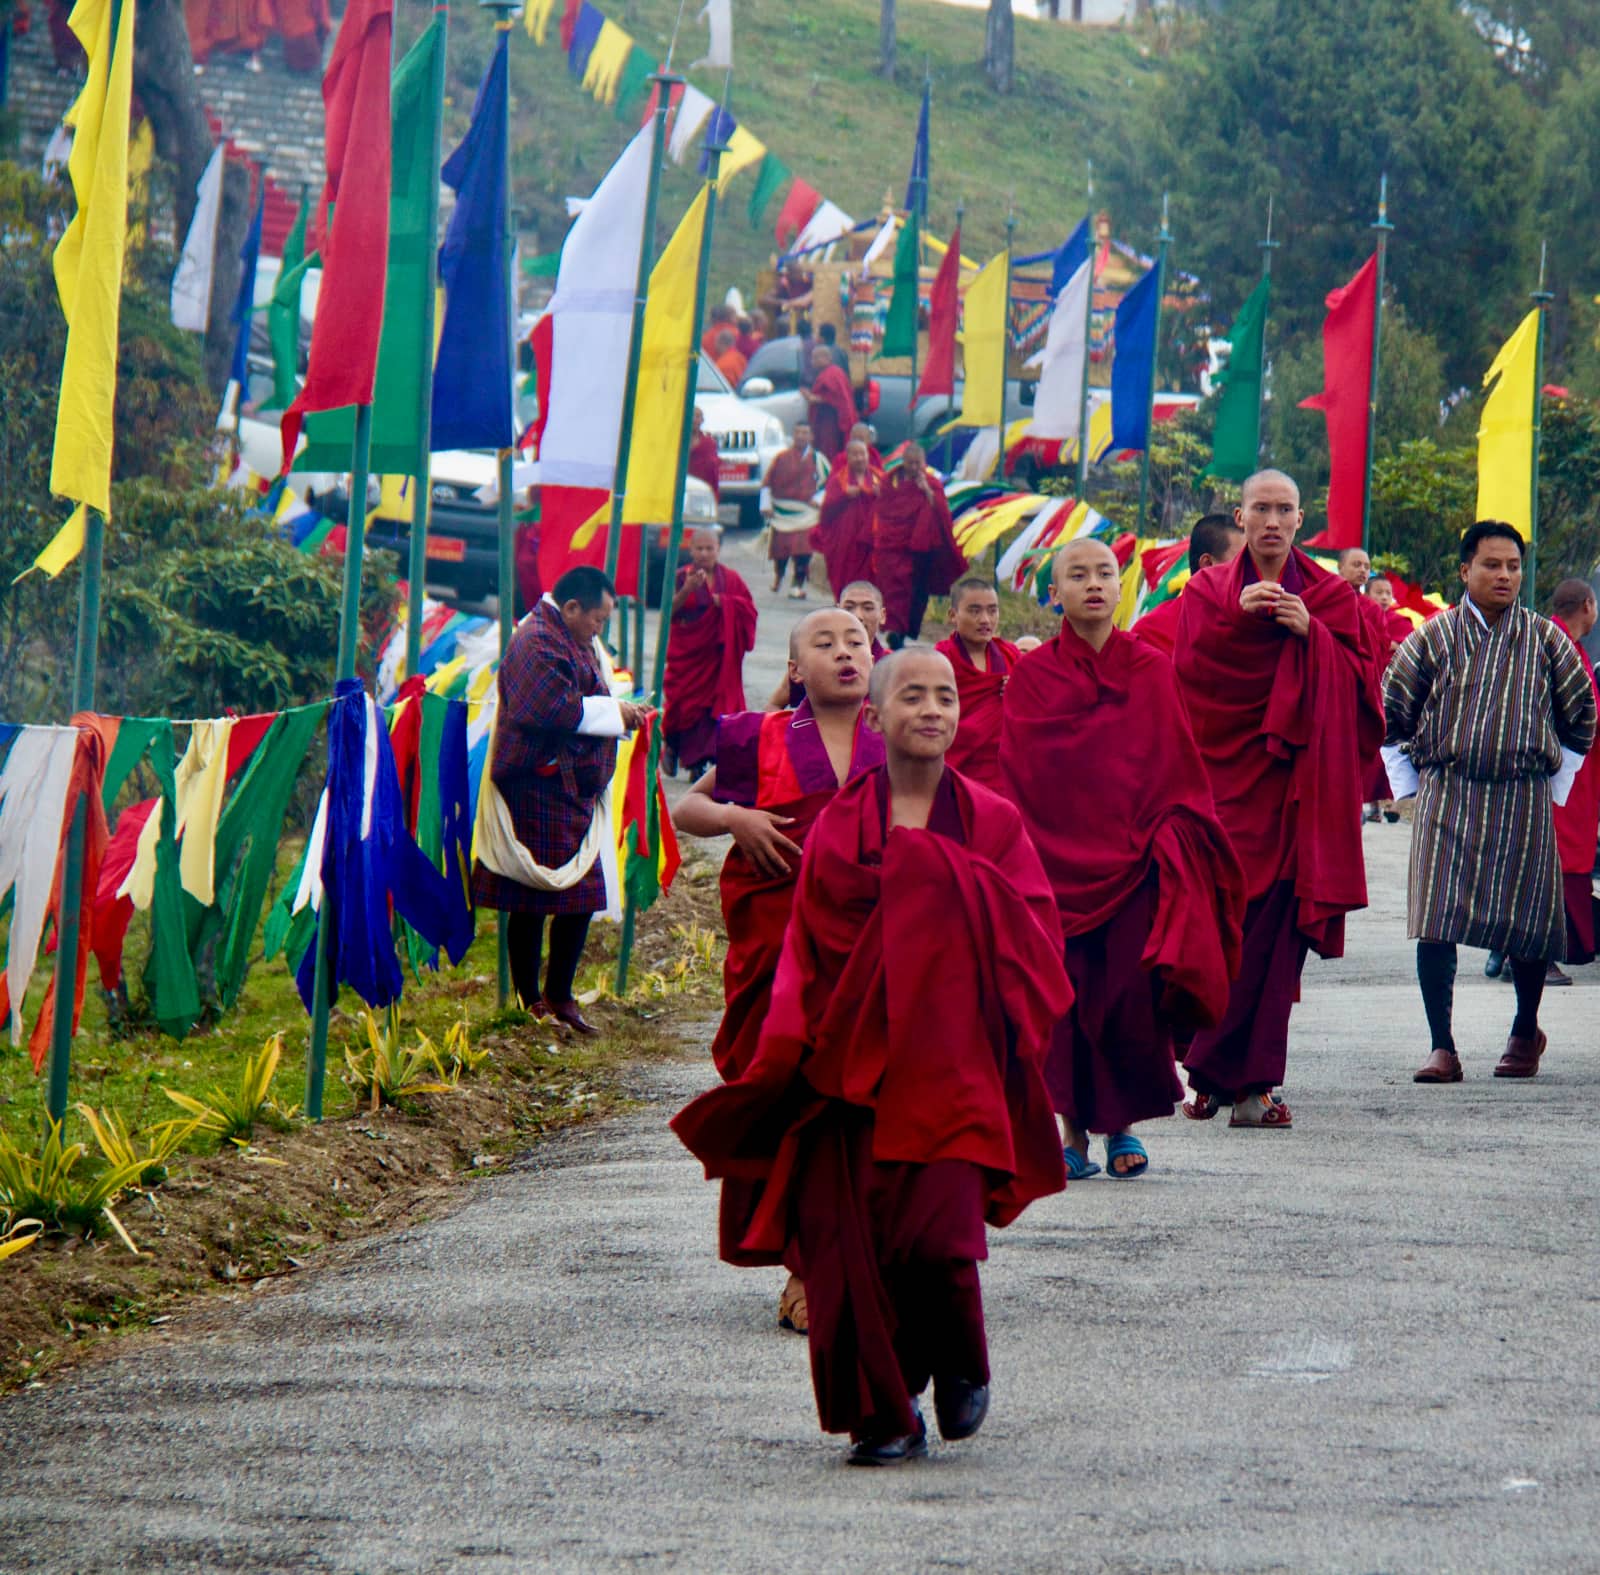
1119	1145
1079	1168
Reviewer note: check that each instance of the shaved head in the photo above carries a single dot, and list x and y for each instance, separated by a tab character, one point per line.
1275	478
1086	549
835	619
898	666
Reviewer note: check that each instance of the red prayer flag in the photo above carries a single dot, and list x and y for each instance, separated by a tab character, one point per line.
569	21
798	207
1346	391
563	511
939	376
355	242
674	98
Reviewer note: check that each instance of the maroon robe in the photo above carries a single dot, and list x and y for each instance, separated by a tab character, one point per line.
914	554
833	409
1577	827
706	648
1158	628
874	458
882	1148
976	750
792	476
706	463
1098	756
1284	726
843	534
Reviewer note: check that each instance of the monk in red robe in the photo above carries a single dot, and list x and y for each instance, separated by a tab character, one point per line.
982	663
792	483
1578	820
843	533
914	554
859	433
1098	756
832	402
1275	665
860	598
713	627
1214	539
775	772
896	1101
704	459
1389	632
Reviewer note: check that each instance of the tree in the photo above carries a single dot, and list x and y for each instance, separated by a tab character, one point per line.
1312	103
886	39
1567	196
1000	45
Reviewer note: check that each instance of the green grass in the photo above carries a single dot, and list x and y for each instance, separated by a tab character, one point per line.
804	84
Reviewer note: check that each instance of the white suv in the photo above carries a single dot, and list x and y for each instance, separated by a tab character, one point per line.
748	440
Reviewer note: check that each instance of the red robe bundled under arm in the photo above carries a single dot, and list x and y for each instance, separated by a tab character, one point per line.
859	990
914	546
706	648
1577	827
843	534
1284	725
976	750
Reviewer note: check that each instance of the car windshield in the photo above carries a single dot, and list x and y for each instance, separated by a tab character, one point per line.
707	379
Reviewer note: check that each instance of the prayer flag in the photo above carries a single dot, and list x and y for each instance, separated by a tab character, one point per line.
283	314
1505	431
694	109
191	284
1345	400
634	83
1138	314
983	346
472	377
828	224
89	256
740	152
1058	400
772	174
355	241
944	307
718	17
798	207
404	358
245	302
581	39
536	19
917	186
603	72
900	327
1236	442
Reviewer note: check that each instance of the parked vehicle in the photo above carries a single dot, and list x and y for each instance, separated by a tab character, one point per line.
748	438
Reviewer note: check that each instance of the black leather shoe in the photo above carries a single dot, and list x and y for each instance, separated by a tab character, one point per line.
890	1451
959	1406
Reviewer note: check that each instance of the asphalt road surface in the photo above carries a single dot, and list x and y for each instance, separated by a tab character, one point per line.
1367	1344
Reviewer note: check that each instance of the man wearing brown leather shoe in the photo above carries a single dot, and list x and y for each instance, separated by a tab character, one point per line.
1488	709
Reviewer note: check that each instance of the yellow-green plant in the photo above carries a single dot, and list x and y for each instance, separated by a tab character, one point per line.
459	1051
231	1114
388	1071
49	1186
150	1150
23	1233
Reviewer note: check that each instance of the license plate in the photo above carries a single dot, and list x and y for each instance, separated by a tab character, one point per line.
731	472
448	549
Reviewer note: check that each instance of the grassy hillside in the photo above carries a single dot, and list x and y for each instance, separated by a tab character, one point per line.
804	85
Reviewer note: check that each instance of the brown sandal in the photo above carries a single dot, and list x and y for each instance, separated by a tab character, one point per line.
792	1306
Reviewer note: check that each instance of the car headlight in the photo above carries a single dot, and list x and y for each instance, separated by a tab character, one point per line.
772	432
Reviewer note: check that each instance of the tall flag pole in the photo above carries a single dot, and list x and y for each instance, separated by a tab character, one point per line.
1005	345
1088	329
1384	229
917	217
1163	241
950	398
422	470
88	268
1541	302
1268	247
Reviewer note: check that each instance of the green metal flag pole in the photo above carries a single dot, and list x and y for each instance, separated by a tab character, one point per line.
1163	241
422	498
1384	229
950	398
1088	328
86	658
1268	247
664	82
1541	299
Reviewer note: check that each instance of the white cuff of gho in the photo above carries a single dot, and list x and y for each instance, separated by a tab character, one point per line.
602	718
1403	778
1561	782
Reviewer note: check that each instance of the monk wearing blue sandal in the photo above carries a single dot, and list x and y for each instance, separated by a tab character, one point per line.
1096	752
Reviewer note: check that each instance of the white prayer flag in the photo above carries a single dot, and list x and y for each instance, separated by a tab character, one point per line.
694	110
1058	403
879	242
718	17
827	225
191	284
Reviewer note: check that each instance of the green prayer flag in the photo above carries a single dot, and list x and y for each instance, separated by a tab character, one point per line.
900	327
642	878
771	175
169	979
285	930
134	736
545	266
1236	444
283	315
405	355
633	86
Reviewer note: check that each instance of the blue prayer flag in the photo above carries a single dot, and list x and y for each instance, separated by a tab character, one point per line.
1137	315
917	186
720	127
244	302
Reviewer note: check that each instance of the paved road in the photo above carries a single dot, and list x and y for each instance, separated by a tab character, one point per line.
1367	1344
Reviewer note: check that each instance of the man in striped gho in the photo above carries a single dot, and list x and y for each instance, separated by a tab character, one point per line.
1495	711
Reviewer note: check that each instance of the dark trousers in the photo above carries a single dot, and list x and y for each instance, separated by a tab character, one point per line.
1436	973
802	568
525	943
921	575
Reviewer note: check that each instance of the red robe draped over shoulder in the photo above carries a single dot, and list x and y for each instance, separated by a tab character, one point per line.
1578	820
706	648
1098	756
942	1044
1284	725
833	410
1158	628
976	750
907	522
843	534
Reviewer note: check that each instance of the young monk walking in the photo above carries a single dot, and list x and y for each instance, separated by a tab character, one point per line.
1098	756
982	663
861	598
1276	667
896	1101
774	773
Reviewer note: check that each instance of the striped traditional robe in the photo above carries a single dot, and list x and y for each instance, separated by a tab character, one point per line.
1486	713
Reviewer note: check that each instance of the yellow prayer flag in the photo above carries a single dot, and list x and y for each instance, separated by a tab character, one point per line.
606	60
537	19
664	359
979	534
742	151
1505	433
88	259
983	317
64	546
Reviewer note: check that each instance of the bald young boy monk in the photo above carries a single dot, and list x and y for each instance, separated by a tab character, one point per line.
774	772
982	663
896	1101
860	597
1098	756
